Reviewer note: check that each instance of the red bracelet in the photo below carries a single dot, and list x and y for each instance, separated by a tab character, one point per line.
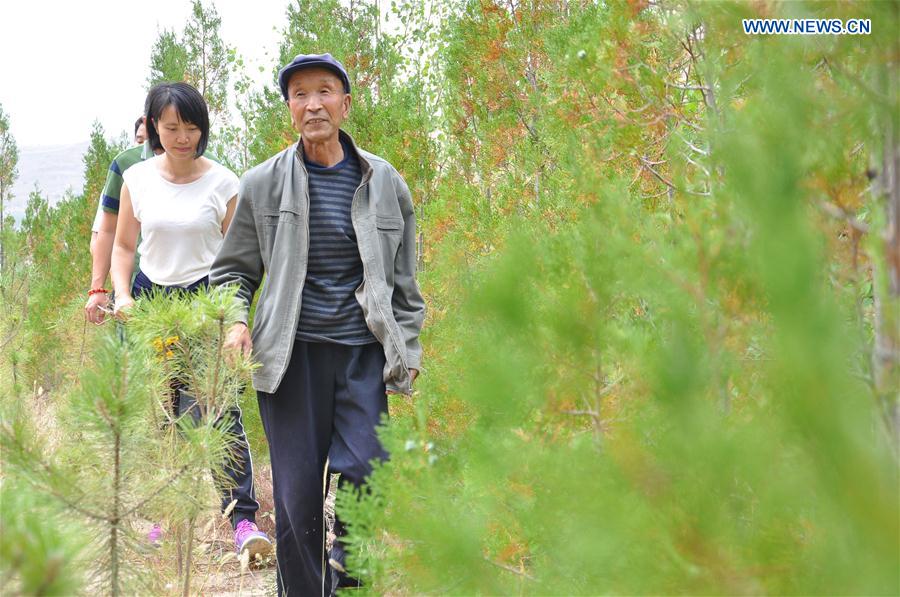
94	291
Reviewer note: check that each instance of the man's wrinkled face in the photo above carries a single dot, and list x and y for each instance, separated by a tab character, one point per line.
317	103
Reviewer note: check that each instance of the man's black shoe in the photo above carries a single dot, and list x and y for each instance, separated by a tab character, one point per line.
339	577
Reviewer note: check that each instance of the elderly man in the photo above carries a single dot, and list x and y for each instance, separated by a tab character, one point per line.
332	227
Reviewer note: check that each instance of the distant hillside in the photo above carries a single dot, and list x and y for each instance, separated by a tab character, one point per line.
54	168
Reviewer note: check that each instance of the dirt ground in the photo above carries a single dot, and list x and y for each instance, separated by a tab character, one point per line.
216	569
231	582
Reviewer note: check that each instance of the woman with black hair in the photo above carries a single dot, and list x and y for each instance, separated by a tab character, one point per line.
181	203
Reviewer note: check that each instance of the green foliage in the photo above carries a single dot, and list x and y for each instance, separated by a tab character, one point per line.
198	56
230	143
168	60
9	158
36	554
662	323
658	393
188	332
92	467
209	59
56	240
100	154
119	452
390	114
560	481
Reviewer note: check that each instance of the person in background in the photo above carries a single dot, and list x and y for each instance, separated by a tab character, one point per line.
140	131
104	228
182	203
332	227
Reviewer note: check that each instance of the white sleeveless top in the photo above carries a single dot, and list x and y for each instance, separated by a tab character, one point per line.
181	224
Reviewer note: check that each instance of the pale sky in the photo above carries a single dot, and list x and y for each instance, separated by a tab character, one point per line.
66	63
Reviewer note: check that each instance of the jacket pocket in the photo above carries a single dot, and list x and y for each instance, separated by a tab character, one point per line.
390	236
267	238
271	221
389	224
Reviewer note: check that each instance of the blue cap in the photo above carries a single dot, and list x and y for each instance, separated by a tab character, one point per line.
308	61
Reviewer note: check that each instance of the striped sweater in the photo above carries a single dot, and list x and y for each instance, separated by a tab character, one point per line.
330	311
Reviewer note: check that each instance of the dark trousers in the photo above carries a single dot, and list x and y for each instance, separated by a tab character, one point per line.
238	465
321	420
143	285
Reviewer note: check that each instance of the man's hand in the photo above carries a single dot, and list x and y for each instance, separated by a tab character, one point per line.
237	341
124	303
93	308
413	374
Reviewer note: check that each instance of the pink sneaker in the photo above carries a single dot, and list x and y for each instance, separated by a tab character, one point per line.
155	535
248	536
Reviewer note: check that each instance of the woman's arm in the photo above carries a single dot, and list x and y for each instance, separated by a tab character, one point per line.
127	229
101	252
239	260
229	214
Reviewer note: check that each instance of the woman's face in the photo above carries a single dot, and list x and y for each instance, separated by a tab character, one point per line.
178	138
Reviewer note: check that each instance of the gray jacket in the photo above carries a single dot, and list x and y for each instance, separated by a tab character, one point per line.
270	235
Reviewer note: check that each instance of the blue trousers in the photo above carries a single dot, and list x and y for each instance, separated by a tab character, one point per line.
239	465
321	420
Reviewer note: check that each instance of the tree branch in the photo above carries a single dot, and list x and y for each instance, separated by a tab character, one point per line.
510	569
649	166
840	213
